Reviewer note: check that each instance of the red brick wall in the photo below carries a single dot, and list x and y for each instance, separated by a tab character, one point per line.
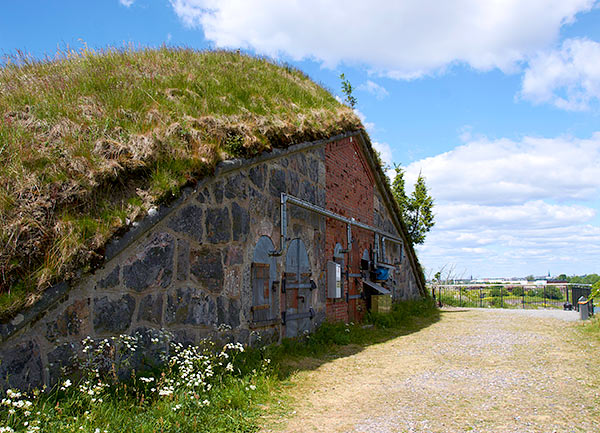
349	189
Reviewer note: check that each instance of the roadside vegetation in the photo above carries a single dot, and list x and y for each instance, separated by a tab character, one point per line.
90	141
591	328
198	388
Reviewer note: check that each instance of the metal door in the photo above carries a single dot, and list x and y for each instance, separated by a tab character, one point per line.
298	288
265	305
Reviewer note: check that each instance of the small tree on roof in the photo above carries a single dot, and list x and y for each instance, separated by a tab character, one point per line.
347	90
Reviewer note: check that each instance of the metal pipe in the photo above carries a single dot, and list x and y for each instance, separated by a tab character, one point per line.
286	198
348	239
282	226
351	221
376	252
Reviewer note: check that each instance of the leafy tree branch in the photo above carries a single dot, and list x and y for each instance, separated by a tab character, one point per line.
416	209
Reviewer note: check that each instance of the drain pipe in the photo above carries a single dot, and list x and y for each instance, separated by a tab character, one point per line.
376	252
348	239
282	226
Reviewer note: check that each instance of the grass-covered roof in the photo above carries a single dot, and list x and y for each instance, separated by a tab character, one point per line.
89	142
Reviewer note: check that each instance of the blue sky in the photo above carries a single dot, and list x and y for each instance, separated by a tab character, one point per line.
496	103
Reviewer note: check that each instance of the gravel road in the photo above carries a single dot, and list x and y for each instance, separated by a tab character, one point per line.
475	370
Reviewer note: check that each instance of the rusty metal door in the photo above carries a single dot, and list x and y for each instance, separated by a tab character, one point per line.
297	287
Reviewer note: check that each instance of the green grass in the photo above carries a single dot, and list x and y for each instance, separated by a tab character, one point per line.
591	327
237	400
92	139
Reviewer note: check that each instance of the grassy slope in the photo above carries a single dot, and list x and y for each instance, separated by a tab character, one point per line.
90	141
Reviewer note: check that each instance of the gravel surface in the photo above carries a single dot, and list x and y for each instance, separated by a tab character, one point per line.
568	316
475	370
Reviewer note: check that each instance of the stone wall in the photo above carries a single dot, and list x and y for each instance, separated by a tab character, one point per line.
191	270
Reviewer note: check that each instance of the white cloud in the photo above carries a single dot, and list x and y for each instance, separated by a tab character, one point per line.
126	3
369	126
533	214
569	78
385	152
511	208
374	89
399	39
505	171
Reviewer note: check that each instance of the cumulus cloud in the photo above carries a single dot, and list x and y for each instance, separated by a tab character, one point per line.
534	215
501	172
568	78
510	208
398	39
126	3
369	126
385	152
374	89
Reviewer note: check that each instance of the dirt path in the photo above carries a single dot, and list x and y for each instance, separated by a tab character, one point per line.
473	371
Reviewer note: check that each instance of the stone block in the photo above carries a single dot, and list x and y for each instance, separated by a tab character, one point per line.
206	266
149	355
321	197
298	163
190	306
62	362
183	260
234	255
257	175
152	267
203	196
294	187
232	283
21	366
217	191
111	281
313	170
228	311
70	322
236	187
277	183
151	309
218	225
261	206
188	221
240	222
308	192
113	315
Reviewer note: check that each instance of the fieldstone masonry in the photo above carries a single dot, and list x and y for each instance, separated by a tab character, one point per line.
191	271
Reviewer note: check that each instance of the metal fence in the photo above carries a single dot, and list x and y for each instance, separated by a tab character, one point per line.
498	296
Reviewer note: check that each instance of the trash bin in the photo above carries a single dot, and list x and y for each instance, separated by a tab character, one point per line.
584	312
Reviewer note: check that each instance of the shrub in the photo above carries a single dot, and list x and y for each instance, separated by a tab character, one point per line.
518	291
498	291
